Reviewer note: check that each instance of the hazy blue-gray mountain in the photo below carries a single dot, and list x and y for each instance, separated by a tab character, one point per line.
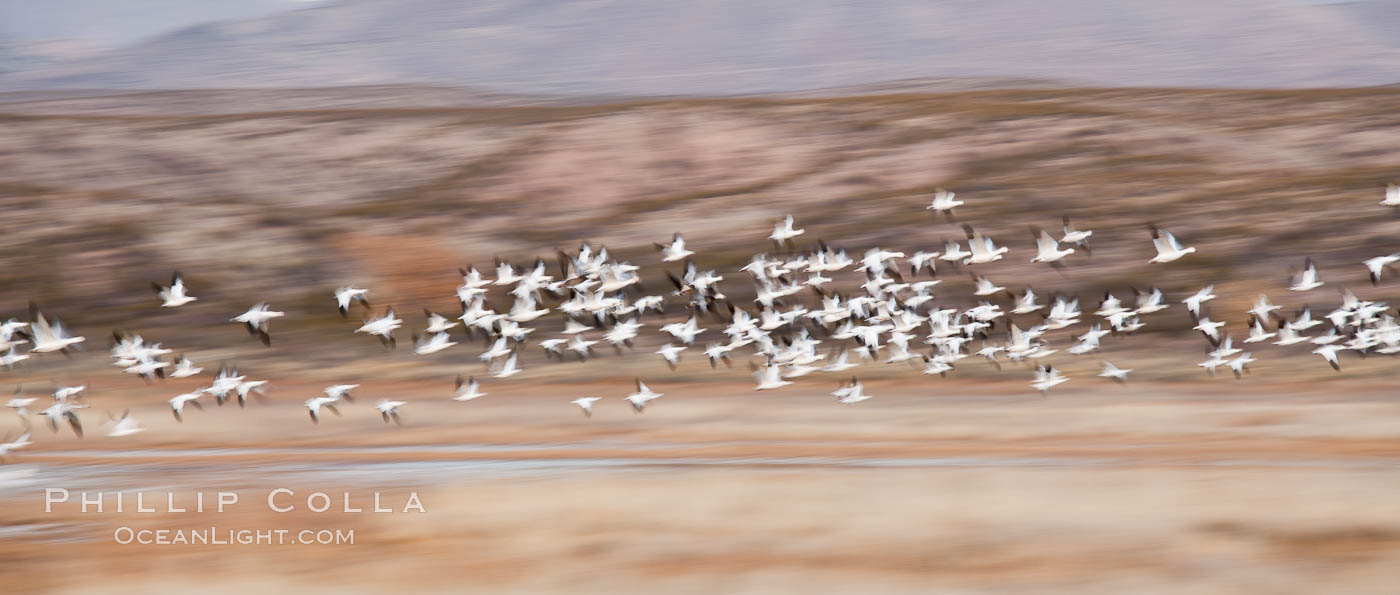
755	46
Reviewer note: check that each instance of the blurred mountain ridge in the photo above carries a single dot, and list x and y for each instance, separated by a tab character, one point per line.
727	47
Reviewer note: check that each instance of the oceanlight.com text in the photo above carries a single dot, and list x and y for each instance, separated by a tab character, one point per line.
127	535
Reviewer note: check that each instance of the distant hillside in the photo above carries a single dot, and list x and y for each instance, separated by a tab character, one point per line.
674	47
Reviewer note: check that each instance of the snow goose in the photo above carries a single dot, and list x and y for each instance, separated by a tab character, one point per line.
508	369
1212	363
1376	265
438	323
1048	248
650	303
1128	323
148	369
314	406
9	446
921	260
67	393
642	396
676	249
1063	313
1304	321
985	287
1088	343
622	334
1327	339
983	249
943	202
500	349
1151	302
125	425
1307	278
20	404
184	368
431	344
11	357
552	347
1074	236
1026	304
249	387
338	392
49	337
953	252
256	320
687	331
783	232
469	390
174	295
1046	377
382	327
347	295
506	274
850	394
1168	248
585	404
178	403
840	364
719	352
1110	306
1114	373
573	327
671	353
64	410
1288	336
513	330
1209	328
1226	348
769	377
1194	301
1258	333
581	346
390	410
524	310
1329	353
1392	196
1262	309
1239	365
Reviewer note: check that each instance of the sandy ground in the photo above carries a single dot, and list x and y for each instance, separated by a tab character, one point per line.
1148	488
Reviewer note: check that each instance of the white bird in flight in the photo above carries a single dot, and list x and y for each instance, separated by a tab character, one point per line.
10	446
178	403
943	202
175	294
347	295
389	410
315	404
1392	196
126	425
256	320
382	327
1168	249
1307	279
1114	373
641	397
675	251
586	404
783	232
49	337
468	391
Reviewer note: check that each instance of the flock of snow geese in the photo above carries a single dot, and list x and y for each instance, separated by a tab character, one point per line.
599	297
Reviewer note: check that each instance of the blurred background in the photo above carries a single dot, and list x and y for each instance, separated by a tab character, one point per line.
274	150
